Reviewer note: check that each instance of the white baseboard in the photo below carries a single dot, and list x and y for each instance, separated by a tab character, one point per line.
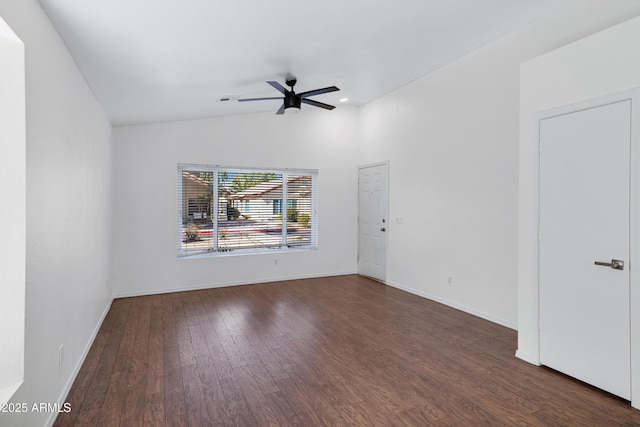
527	358
457	306
76	369
7	392
226	284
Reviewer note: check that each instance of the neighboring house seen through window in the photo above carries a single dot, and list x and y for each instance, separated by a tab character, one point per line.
222	210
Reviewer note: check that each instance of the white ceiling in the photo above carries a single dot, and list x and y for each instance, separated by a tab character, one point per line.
163	60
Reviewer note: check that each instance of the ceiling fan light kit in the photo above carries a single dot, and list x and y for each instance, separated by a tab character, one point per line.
293	101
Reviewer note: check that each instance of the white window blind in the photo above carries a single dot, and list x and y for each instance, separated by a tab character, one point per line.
239	210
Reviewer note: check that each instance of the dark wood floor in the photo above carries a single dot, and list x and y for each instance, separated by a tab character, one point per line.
330	351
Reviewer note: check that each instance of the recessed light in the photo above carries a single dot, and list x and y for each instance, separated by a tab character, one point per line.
227	98
344	99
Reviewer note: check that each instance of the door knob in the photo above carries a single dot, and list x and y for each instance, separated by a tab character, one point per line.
615	264
383	229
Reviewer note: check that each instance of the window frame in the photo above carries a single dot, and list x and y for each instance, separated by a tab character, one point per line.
215	250
12	221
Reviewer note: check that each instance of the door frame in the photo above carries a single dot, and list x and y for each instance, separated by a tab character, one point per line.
386	208
632	95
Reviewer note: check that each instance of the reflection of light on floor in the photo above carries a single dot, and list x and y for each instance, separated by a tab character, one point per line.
278	330
280	316
291	324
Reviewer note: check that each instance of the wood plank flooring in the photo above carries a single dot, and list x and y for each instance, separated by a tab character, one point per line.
339	351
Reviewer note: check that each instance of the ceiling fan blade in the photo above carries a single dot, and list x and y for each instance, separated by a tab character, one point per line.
318	91
281	110
317	104
278	87
259	99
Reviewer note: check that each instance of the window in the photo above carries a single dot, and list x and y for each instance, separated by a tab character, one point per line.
222	210
12	221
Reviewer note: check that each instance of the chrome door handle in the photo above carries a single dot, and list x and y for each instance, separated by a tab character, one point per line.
615	264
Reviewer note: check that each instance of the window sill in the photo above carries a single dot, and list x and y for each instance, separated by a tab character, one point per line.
240	252
7	393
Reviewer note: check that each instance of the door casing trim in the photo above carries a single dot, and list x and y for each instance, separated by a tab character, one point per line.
386	236
632	95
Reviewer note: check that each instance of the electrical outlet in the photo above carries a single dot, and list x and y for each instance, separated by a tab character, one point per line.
450	280
60	354
275	261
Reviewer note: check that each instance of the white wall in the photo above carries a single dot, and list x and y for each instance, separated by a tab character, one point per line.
452	141
146	159
12	219
68	204
605	63
455	130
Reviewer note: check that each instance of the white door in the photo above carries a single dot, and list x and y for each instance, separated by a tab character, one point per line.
372	221
584	218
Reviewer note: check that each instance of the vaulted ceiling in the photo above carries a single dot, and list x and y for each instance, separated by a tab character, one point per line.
164	60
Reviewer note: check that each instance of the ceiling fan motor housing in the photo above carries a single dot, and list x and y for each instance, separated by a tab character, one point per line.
292	101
